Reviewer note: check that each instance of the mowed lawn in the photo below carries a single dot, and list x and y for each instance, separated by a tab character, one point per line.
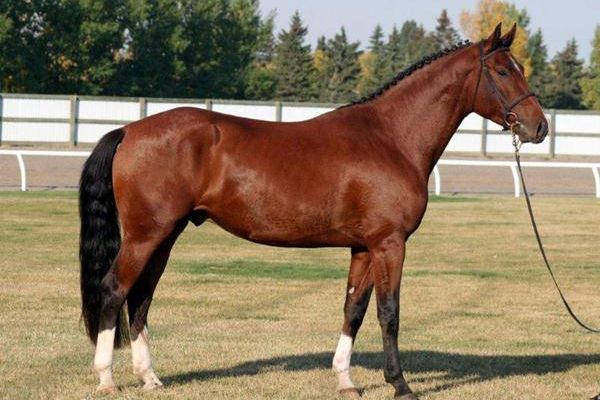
480	318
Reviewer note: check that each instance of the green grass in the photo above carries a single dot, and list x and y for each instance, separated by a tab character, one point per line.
262	269
235	320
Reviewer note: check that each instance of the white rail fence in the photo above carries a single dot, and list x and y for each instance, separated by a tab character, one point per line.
595	167
74	120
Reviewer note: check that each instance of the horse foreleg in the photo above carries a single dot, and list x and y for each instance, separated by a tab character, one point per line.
358	292
138	304
387	259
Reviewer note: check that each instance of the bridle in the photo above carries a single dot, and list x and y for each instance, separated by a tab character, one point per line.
511	119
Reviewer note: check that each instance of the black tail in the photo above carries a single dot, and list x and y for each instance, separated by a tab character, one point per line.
100	237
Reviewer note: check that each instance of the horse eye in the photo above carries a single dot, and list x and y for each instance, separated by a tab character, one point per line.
503	72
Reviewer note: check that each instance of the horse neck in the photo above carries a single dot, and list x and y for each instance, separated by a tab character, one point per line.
422	112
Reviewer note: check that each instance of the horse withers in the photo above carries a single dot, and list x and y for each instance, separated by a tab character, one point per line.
355	177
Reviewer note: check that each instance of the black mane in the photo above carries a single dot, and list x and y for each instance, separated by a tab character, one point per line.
408	71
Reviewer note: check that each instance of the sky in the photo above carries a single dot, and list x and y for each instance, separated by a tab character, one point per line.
558	22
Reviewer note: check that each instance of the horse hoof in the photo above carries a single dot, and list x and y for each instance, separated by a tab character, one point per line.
106	389
350	393
408	396
153	385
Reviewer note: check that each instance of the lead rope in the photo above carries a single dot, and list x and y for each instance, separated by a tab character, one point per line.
517	145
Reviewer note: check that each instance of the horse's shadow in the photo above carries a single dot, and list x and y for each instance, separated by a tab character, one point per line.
455	369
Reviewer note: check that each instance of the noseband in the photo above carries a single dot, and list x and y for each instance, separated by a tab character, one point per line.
511	119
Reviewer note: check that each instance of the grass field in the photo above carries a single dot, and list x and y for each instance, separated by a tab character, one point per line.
479	316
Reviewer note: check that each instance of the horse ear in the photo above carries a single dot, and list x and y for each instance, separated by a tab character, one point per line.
508	39
495	39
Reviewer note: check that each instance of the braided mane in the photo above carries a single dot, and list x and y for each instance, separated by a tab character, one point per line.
408	71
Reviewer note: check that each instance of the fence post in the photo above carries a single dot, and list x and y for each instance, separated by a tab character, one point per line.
143	107
552	133
1	116
278	111
484	133
73	120
209	104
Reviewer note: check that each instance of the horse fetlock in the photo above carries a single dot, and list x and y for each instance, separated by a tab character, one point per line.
349	393
107	384
150	380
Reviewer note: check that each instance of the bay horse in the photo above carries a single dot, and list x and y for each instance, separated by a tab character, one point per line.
355	177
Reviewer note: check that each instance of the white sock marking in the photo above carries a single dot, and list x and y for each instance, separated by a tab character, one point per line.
142	362
103	357
341	362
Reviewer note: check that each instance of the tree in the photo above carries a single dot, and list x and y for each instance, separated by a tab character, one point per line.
591	83
540	77
343	69
321	64
373	64
565	91
57	46
220	42
261	81
293	63
407	46
489	13
152	64
445	35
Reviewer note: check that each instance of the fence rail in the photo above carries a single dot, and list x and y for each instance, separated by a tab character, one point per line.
74	120
595	167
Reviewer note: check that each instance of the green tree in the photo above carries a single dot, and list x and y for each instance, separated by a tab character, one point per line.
540	78
152	63
343	69
56	46
373	64
293	63
591	83
567	69
261	81
219	42
445	35
13	17
407	46
321	64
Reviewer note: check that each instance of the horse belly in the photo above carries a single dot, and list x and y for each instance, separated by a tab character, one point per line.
276	224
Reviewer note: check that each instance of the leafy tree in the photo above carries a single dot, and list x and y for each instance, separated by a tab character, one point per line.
489	13
591	83
152	63
58	46
565	91
293	63
540	77
343	69
261	81
13	19
445	35
220	41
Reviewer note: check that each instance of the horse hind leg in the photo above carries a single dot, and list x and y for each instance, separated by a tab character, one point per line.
138	304
358	293
133	256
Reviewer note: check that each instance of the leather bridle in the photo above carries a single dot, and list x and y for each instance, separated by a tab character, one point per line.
511	119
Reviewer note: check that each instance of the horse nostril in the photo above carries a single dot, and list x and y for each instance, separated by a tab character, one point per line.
542	129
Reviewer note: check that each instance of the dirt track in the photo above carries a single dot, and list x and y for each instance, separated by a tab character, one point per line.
45	173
